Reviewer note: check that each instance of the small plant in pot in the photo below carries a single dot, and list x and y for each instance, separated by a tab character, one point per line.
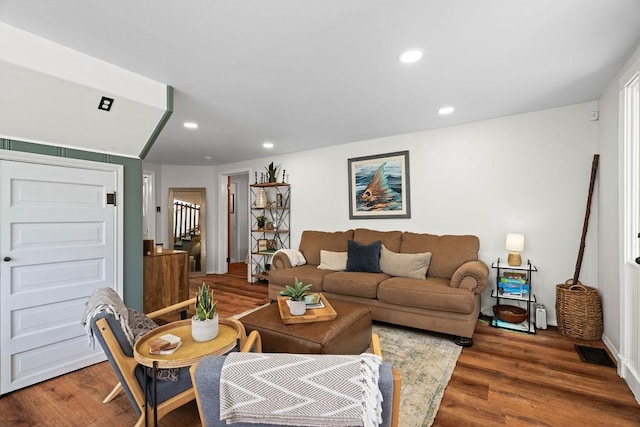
297	304
261	220
204	324
272	171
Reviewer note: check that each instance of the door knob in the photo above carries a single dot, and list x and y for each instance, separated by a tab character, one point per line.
638	260
7	258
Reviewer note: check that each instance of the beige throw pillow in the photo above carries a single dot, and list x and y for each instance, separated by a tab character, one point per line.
413	266
336	261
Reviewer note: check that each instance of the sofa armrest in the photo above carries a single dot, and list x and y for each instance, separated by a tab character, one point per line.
471	275
280	260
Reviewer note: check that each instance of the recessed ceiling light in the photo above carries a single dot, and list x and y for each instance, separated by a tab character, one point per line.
191	125
208	158
446	110
267	144
410	56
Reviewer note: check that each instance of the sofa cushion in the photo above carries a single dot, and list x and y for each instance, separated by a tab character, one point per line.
448	252
336	261
391	239
312	242
413	266
307	274
363	285
363	258
434	293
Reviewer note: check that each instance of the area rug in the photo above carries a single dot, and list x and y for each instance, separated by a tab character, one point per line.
426	363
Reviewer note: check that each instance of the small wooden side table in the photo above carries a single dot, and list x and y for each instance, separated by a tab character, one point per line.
189	353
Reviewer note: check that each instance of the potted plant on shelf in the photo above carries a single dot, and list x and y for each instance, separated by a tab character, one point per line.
204	324
272	171
261	220
297	304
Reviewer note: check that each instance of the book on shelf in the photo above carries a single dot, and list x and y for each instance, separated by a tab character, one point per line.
513	281
522	326
514	289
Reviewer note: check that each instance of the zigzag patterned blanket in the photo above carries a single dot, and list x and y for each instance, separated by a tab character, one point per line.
301	389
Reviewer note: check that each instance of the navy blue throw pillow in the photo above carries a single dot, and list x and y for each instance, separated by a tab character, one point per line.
363	258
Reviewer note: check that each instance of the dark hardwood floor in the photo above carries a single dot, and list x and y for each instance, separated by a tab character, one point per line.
506	378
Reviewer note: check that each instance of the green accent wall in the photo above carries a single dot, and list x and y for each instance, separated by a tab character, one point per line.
163	121
133	261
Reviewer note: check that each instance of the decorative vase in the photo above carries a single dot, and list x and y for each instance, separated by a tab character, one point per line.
261	198
297	308
204	330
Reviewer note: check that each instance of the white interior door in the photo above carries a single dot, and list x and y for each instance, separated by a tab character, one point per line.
57	246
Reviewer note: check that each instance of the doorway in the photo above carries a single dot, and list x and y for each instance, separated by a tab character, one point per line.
60	234
237	224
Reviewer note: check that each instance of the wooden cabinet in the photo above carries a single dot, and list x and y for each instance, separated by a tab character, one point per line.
166	279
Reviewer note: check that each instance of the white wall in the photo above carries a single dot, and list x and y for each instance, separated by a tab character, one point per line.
526	173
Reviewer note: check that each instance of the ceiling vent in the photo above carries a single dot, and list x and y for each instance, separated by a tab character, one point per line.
105	104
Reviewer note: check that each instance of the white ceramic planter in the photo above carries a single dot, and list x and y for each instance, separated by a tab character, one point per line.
297	308
204	330
261	198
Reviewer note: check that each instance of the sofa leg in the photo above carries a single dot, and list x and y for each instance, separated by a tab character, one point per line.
464	341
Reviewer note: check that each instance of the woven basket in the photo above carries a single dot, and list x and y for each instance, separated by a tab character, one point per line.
578	311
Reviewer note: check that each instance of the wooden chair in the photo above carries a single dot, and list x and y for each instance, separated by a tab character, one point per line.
131	376
206	389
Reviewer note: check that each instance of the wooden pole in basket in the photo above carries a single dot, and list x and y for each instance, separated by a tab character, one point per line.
594	169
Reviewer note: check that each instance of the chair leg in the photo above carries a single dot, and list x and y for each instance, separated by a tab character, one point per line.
116	390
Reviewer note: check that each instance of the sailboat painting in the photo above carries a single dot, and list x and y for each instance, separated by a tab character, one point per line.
379	186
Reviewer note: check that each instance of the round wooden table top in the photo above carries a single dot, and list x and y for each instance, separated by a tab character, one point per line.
190	351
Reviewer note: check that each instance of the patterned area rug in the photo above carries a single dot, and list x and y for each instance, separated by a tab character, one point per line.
426	362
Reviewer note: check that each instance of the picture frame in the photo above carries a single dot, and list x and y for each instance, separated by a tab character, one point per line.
379	186
262	245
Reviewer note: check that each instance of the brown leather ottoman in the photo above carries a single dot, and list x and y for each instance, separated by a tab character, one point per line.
348	333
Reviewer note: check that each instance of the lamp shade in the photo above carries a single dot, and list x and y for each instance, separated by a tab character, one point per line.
515	242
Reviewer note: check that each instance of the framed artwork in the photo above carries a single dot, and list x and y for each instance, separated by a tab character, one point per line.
271	245
379	186
262	245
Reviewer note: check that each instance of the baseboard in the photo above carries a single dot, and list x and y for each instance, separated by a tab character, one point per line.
624	371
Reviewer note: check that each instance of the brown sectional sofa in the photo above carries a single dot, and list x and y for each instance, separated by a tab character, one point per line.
447	300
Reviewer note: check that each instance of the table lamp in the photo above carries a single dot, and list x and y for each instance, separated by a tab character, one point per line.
515	245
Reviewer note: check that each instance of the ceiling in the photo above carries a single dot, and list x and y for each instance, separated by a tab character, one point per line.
312	73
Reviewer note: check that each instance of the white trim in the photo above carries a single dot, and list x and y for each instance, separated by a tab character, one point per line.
151	204
629	163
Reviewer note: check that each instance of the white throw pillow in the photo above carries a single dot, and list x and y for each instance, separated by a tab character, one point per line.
413	266
336	261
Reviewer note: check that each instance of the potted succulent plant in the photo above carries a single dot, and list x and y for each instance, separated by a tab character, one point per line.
272	171
261	220
204	324
297	304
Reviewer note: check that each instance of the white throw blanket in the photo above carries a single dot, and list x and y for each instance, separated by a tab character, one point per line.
106	300
301	389
294	255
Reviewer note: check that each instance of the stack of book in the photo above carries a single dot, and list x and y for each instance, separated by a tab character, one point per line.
513	284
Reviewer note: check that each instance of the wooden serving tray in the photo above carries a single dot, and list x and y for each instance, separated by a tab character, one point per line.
190	351
311	315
